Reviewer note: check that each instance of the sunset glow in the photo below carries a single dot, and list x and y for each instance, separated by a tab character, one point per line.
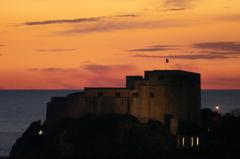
71	44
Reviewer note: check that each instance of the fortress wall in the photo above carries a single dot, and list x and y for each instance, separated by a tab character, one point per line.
159	102
139	103
72	106
168	93
195	102
160	95
76	105
56	110
107	92
150	101
119	105
183	97
108	100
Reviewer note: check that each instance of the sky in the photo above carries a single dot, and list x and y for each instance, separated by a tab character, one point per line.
71	44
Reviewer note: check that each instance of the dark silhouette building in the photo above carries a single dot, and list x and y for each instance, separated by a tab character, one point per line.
169	96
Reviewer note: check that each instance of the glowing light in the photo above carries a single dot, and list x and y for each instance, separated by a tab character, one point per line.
183	141
197	141
40	132
192	141
217	107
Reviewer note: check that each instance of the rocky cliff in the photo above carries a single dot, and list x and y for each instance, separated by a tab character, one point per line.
93	136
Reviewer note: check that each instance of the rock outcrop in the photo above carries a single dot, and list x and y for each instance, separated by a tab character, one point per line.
93	136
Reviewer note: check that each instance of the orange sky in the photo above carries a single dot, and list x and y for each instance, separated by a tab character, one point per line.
70	44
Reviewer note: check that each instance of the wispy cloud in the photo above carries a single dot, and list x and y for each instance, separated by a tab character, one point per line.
154	48
62	21
109	23
97	68
185	57
53	70
178	3
77	20
197	51
231	47
112	25
1	45
109	76
89	74
126	15
56	50
174	9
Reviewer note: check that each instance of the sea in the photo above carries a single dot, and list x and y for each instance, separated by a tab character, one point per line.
18	108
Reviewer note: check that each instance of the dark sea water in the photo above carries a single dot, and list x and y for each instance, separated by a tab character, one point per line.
19	108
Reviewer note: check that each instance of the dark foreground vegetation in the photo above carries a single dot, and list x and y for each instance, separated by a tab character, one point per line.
124	137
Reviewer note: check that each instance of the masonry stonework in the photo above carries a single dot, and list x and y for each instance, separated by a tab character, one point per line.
169	96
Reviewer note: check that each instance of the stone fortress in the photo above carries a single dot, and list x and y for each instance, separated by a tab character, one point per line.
168	96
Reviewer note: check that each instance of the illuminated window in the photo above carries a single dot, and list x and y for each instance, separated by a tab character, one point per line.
192	142
197	141
183	141
99	94
40	132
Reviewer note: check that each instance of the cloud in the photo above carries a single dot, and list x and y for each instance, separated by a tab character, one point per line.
106	75
231	47
88	75
112	24
97	68
174	9
186	57
184	66
89	68
154	48
109	23
126	15
53	70
1	45
56	50
78	20
197	51
177	3
62	21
